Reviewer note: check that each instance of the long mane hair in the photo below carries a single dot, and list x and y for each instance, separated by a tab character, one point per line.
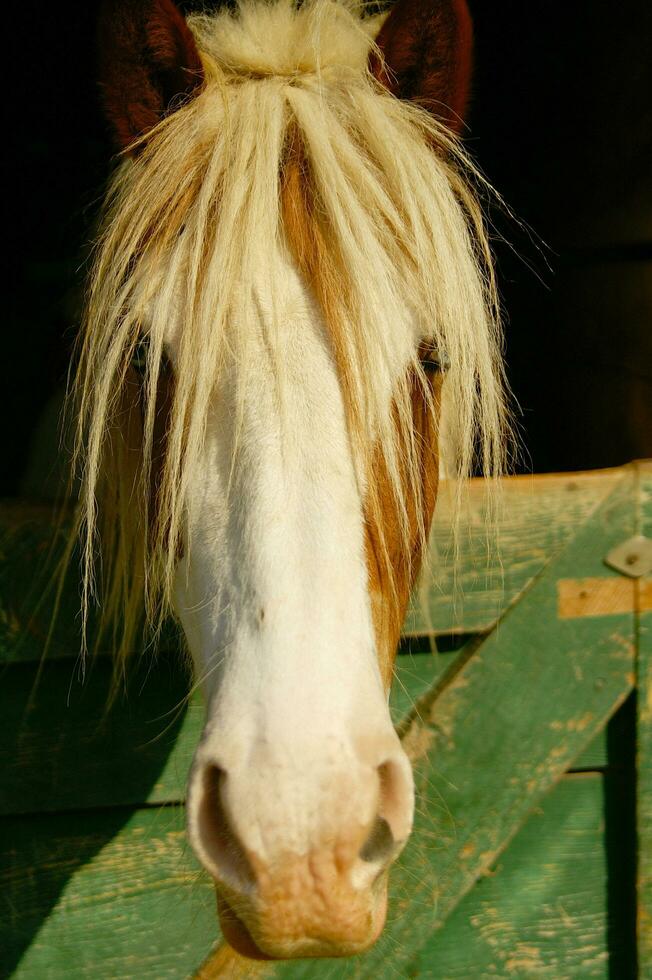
290	141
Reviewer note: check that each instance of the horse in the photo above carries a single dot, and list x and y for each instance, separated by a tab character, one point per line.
292	256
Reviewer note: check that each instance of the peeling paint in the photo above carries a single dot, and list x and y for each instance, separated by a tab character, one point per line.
418	741
581	723
626	646
526	959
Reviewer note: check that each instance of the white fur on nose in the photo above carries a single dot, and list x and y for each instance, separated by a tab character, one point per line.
298	752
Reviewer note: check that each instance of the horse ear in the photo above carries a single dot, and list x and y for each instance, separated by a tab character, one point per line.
148	59
426	56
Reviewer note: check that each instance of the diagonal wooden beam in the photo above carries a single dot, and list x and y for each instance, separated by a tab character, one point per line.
470	583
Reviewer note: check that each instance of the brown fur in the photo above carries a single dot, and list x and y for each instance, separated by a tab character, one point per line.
390	593
307	236
148	62
427	53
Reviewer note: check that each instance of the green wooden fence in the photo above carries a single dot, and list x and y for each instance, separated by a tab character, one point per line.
530	731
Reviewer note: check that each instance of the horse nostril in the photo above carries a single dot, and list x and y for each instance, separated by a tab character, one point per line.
380	844
223	854
394	819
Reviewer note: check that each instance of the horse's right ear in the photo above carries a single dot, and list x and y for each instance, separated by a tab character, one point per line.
148	60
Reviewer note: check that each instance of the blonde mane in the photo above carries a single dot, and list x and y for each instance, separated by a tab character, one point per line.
385	189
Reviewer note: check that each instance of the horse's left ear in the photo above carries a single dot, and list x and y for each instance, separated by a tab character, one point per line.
426	48
148	60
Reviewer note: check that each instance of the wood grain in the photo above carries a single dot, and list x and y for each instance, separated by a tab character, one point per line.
541	910
102	894
578	597
468	586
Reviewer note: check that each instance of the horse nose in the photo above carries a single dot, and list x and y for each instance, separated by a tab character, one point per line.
298	857
359	843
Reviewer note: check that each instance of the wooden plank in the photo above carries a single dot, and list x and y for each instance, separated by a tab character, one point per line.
548	907
467	590
418	674
613	747
595	756
110	894
137	751
490	681
532	914
541	911
518	715
415	674
33	540
644	740
57	729
540	515
29	551
495	740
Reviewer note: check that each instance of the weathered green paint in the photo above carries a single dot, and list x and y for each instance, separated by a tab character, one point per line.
415	675
131	905
492	728
549	908
644	742
102	894
137	751
542	909
467	590
140	749
594	757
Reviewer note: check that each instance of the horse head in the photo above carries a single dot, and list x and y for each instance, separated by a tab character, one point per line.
291	249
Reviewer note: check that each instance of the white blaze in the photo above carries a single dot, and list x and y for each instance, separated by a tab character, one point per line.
272	590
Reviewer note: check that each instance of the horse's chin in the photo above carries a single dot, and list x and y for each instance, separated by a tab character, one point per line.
240	938
236	933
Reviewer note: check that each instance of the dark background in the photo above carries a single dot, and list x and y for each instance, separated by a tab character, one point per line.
561	124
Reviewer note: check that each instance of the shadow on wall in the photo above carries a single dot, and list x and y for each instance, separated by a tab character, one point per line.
75	766
73	776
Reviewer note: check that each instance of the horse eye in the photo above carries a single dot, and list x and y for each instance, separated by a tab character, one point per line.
139	357
434	360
